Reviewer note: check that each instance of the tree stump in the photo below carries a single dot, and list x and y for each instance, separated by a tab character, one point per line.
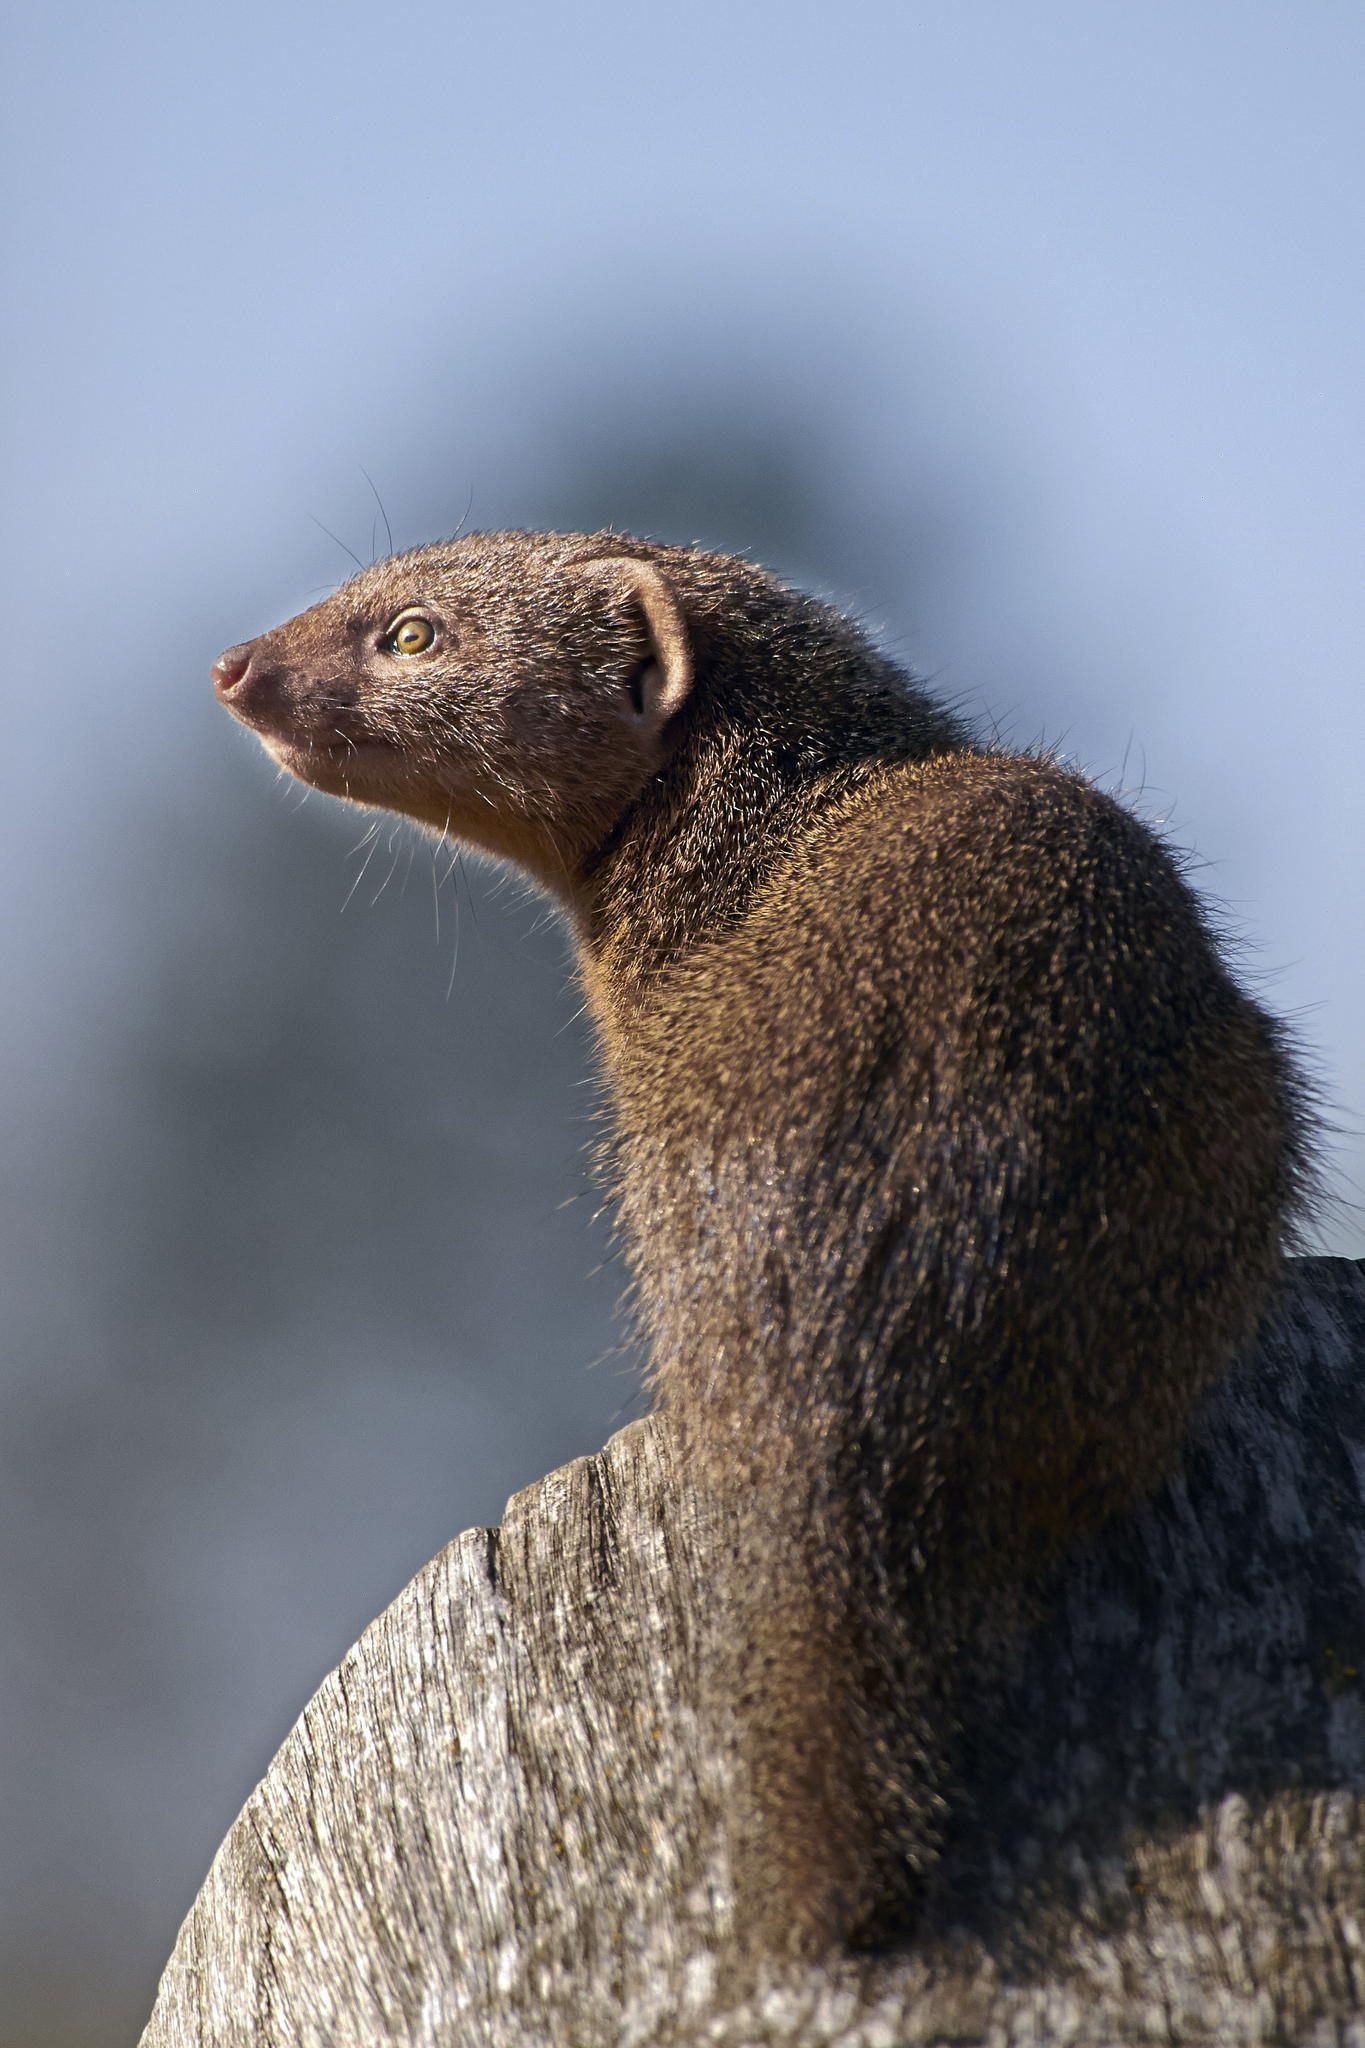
500	1822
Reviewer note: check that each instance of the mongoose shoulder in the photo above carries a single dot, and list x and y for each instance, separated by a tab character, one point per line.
953	1164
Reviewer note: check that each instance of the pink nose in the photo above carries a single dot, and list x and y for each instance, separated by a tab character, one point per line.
229	669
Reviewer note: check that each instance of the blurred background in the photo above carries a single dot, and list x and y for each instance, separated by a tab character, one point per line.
1030	331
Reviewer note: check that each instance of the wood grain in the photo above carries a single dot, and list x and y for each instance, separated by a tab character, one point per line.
499	1821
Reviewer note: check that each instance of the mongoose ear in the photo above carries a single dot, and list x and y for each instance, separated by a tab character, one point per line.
662	683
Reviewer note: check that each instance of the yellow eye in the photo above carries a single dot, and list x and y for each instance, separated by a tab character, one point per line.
412	635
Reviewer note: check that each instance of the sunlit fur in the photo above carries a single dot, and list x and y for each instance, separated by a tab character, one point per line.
952	1163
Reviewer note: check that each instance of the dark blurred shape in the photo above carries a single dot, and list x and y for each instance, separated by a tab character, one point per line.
770	467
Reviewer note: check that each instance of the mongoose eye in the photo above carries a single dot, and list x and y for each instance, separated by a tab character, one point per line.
412	634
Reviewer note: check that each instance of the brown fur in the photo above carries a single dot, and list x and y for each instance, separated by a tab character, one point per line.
953	1165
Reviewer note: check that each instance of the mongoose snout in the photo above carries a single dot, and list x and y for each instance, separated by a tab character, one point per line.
301	713
230	668
255	690
952	1162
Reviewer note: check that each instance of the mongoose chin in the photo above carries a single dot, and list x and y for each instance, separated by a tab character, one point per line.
952	1163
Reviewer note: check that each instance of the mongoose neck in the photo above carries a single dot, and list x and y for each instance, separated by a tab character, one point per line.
782	727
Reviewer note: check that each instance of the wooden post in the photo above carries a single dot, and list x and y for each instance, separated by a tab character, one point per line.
499	1821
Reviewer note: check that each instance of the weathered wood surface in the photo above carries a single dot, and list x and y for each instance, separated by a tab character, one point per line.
498	1822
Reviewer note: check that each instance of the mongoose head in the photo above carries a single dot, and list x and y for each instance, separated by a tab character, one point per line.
514	690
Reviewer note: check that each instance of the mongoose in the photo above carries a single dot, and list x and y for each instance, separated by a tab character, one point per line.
953	1164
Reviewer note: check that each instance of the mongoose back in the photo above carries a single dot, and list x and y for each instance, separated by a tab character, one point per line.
953	1165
